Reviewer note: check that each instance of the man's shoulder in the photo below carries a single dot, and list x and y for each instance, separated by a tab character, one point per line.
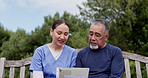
113	47
84	50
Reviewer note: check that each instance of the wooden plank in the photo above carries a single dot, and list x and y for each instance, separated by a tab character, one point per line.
18	63
22	72
2	69
138	69
135	57
31	74
127	68
147	69
11	72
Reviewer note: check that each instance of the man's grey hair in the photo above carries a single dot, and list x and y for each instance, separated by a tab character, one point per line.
101	21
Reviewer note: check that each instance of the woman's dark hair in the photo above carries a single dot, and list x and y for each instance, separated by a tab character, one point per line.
59	22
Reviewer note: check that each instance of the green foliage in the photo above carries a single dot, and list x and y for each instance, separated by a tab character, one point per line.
133	69
78	29
127	19
4	35
79	39
16	47
77	26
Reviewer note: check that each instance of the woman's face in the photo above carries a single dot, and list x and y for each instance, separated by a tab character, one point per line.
60	34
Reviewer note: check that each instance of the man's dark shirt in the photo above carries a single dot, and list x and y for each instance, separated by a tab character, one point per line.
103	63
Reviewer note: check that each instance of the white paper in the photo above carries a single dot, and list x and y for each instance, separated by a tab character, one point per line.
71	76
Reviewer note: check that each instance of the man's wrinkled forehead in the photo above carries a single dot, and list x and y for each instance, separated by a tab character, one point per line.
97	23
97	28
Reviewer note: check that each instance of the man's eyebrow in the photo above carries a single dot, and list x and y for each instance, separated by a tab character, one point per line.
97	32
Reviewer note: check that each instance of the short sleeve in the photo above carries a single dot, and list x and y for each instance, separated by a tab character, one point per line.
74	55
36	64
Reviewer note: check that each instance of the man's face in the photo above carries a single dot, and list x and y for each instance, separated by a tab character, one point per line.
97	36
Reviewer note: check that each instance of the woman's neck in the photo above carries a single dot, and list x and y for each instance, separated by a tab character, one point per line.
55	47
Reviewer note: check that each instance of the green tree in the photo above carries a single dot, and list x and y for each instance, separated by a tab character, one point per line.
127	19
42	36
78	29
4	35
16	46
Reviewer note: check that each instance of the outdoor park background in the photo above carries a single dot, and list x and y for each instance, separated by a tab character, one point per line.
128	20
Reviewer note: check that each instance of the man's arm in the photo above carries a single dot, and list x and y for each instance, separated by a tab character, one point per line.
117	66
78	61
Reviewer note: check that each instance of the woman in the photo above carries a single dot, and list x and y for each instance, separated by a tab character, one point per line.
55	54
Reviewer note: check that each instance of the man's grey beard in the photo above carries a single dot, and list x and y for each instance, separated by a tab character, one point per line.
94	47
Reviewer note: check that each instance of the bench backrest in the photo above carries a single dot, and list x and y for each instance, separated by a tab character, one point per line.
14	64
25	62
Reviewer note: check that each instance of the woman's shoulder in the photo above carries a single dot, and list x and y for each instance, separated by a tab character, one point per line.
42	49
68	47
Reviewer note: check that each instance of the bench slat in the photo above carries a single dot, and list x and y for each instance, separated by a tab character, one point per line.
147	69
18	63
138	69
135	57
22	72
31	74
2	63
127	68
12	72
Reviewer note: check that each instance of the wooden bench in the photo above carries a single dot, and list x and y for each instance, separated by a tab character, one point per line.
138	59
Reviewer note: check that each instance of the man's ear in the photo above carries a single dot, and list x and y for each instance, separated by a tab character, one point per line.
51	31
106	37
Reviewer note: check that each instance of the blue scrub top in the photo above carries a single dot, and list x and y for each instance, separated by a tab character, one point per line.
44	61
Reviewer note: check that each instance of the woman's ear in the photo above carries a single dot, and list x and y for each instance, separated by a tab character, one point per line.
51	31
